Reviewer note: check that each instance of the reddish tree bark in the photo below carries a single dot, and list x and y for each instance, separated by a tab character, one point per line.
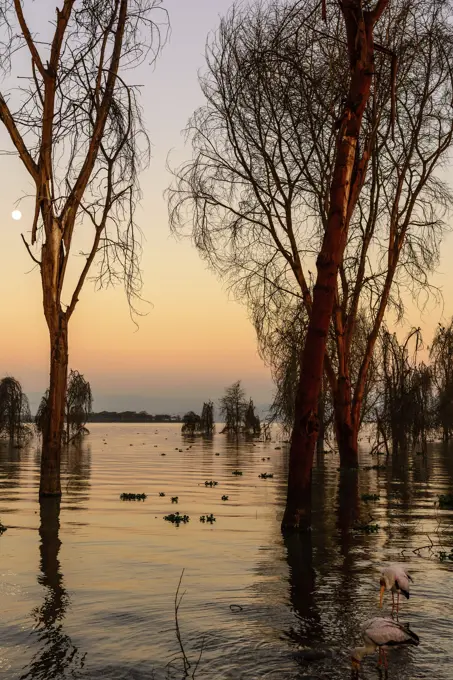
359	29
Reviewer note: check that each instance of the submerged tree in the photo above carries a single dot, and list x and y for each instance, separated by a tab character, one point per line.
14	410
191	423
233	407
76	126
303	163
252	424
42	415
404	414
79	401
207	425
441	355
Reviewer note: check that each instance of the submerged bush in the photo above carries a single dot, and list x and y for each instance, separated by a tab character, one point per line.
133	496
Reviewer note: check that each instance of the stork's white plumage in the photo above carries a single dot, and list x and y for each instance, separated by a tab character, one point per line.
381	633
395	578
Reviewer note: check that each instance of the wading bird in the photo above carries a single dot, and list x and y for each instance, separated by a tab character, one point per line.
380	633
396	579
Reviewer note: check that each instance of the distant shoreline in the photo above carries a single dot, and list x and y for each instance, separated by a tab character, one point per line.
132	417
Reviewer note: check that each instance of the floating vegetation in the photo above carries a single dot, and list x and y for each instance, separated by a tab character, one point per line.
211	483
163	454
161	494
174	499
133	496
238	473
265	475
2	528
217	454
367	528
370	497
446	501
207	518
444	555
278	448
224	498
176	518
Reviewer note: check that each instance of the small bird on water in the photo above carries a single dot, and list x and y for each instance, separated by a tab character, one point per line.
381	633
396	579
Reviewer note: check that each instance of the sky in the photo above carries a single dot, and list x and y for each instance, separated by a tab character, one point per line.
193	340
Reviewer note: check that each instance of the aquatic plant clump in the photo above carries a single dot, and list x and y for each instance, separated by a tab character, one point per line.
2	528
176	518
370	497
174	499
446	501
133	496
238	473
210	519
211	483
444	555
224	498
265	475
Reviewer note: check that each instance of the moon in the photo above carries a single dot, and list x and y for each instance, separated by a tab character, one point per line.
16	214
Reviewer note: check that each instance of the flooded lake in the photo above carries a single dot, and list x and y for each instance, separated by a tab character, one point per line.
88	585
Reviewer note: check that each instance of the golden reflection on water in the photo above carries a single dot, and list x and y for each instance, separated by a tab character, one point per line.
87	585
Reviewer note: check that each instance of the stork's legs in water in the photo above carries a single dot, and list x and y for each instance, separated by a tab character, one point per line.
383	657
397	603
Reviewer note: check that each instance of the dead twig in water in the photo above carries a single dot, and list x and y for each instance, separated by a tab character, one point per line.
185	659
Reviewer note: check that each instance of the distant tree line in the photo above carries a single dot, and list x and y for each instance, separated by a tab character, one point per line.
132	417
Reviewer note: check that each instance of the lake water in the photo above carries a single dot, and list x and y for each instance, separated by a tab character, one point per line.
87	586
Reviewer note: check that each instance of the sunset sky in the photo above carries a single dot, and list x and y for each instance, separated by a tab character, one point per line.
194	340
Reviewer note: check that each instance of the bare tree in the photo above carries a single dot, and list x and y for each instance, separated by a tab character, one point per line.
14	410
252	424
233	407
207	425
78	131
257	192
441	355
404	412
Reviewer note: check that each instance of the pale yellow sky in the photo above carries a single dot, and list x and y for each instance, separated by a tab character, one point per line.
194	340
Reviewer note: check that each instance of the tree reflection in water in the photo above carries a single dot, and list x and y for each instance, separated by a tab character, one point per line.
57	656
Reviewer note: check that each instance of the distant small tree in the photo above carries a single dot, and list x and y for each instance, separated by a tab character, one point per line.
404	412
79	401
191	423
252	424
14	410
207	426
441	355
233	406
42	415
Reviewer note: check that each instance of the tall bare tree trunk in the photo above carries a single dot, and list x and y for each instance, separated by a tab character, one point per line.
359	29
52	435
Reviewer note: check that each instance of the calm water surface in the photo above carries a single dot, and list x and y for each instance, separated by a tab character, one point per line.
87	586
